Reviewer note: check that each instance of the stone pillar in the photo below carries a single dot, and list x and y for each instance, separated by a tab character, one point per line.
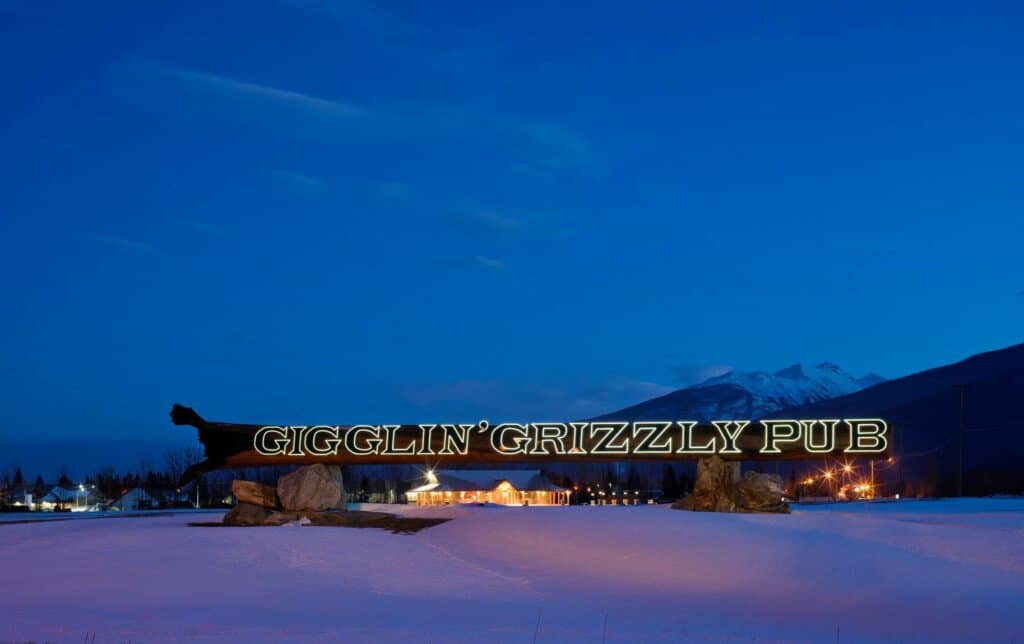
720	488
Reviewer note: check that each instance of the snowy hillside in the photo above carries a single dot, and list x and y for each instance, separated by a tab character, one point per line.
752	394
938	571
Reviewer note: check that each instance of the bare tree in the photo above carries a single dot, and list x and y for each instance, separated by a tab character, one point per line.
176	461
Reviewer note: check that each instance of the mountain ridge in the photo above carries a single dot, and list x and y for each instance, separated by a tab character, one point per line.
924	412
749	394
923	409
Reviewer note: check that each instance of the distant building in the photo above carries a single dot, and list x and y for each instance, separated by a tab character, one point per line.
22	497
79	498
53	498
502	487
135	499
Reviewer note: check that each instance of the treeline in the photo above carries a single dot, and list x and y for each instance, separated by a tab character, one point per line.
364	483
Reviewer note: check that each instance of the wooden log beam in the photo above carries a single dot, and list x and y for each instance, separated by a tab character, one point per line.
243	445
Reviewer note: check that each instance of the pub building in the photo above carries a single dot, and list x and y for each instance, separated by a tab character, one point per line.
501	487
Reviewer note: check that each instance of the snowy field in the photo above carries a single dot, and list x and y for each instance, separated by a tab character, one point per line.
907	571
23	517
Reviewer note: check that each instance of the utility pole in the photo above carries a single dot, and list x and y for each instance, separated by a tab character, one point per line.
872	490
960	436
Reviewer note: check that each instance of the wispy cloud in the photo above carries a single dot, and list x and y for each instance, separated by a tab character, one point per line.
488	262
557	148
158	86
486	222
391	191
464	60
298	183
122	244
223	85
611	394
472	261
527	142
500	400
207	228
447	392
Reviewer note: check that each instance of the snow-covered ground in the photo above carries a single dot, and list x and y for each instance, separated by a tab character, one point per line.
908	571
23	517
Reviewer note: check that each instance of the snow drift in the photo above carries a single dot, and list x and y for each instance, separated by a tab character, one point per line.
936	571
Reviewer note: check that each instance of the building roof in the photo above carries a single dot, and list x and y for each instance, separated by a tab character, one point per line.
135	494
468	480
58	493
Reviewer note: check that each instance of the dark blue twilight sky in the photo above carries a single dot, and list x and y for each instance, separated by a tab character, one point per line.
348	212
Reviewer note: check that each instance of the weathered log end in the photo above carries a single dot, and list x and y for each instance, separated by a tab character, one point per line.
182	415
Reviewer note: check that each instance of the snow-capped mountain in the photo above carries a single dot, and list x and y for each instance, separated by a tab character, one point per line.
752	394
795	385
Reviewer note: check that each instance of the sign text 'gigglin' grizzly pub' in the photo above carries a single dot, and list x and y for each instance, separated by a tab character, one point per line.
240	445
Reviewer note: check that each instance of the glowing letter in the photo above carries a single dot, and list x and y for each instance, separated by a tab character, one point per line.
390	434
331	442
297	432
455	436
610	433
521	442
426	435
549	433
828	442
655	441
352	435
729	438
277	437
773	434
867	435
579	430
687	446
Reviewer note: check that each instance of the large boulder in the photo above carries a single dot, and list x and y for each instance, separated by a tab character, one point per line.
246	514
255	493
761	493
712	491
719	488
312	488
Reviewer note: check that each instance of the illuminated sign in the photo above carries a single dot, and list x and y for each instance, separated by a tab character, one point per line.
236	445
663	439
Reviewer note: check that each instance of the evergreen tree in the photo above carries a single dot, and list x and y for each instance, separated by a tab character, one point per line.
685	484
39	487
633	481
19	478
5	490
669	483
792	485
